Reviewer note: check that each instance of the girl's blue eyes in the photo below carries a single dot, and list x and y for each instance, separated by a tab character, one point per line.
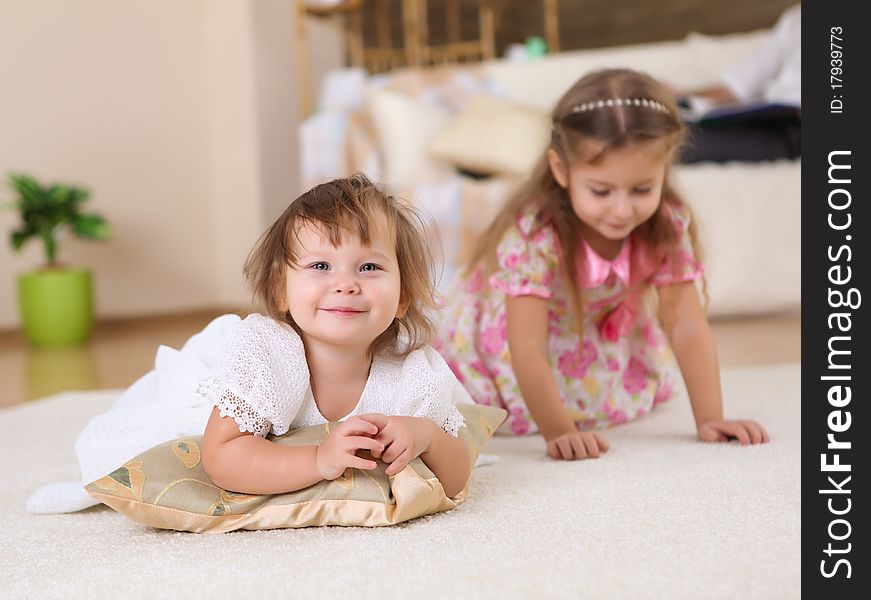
366	268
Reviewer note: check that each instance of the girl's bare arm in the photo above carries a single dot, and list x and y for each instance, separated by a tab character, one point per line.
448	459
686	325
406	438
243	462
527	340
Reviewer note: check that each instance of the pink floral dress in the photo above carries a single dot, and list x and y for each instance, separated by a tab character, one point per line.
617	371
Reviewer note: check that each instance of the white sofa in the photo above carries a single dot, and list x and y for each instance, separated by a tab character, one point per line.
748	213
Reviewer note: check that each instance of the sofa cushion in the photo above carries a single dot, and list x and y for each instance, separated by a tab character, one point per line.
493	136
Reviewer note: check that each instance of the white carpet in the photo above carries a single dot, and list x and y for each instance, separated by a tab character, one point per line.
661	516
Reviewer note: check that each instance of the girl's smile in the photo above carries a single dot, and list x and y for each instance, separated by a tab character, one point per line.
344	311
344	295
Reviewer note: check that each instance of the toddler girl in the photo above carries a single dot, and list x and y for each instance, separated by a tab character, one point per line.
551	320
345	277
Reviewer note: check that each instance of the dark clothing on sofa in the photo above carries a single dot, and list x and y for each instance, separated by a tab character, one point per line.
753	140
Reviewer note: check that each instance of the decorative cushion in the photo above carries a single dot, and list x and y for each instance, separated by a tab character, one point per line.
405	127
493	136
166	487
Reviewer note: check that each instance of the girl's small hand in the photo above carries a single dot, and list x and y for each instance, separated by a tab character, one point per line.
746	432
403	439
576	445
339	450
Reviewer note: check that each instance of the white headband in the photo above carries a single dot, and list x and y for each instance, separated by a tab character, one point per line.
645	102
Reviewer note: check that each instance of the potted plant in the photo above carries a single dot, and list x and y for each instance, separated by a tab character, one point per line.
56	301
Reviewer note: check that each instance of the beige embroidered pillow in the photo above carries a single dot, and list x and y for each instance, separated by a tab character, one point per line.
494	137
166	487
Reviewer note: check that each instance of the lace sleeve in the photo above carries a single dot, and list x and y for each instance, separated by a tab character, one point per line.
261	378
431	390
230	405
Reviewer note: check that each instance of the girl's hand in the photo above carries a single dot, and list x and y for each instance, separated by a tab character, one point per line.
746	432
339	450
404	439
576	445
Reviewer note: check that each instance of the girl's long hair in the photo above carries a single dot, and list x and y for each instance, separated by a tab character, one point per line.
616	126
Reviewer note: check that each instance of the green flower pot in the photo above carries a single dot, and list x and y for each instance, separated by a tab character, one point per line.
56	306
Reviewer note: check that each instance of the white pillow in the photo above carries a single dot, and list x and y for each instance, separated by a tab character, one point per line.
493	136
405	128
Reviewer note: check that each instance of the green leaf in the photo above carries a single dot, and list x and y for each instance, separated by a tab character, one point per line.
77	196
21	182
66	197
17	238
91	227
30	194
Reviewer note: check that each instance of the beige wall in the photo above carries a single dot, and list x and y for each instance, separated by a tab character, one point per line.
179	115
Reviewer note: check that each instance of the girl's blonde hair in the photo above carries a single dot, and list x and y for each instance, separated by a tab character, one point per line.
342	206
577	118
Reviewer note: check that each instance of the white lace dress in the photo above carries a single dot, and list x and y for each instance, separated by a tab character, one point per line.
262	382
255	371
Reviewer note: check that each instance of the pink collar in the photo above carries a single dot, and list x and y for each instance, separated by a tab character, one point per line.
597	269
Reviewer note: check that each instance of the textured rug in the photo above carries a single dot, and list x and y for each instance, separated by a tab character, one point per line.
660	516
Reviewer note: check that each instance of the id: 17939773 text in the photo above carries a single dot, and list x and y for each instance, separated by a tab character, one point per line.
836	70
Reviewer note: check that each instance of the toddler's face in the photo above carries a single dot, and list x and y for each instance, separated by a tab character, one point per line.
347	295
617	194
